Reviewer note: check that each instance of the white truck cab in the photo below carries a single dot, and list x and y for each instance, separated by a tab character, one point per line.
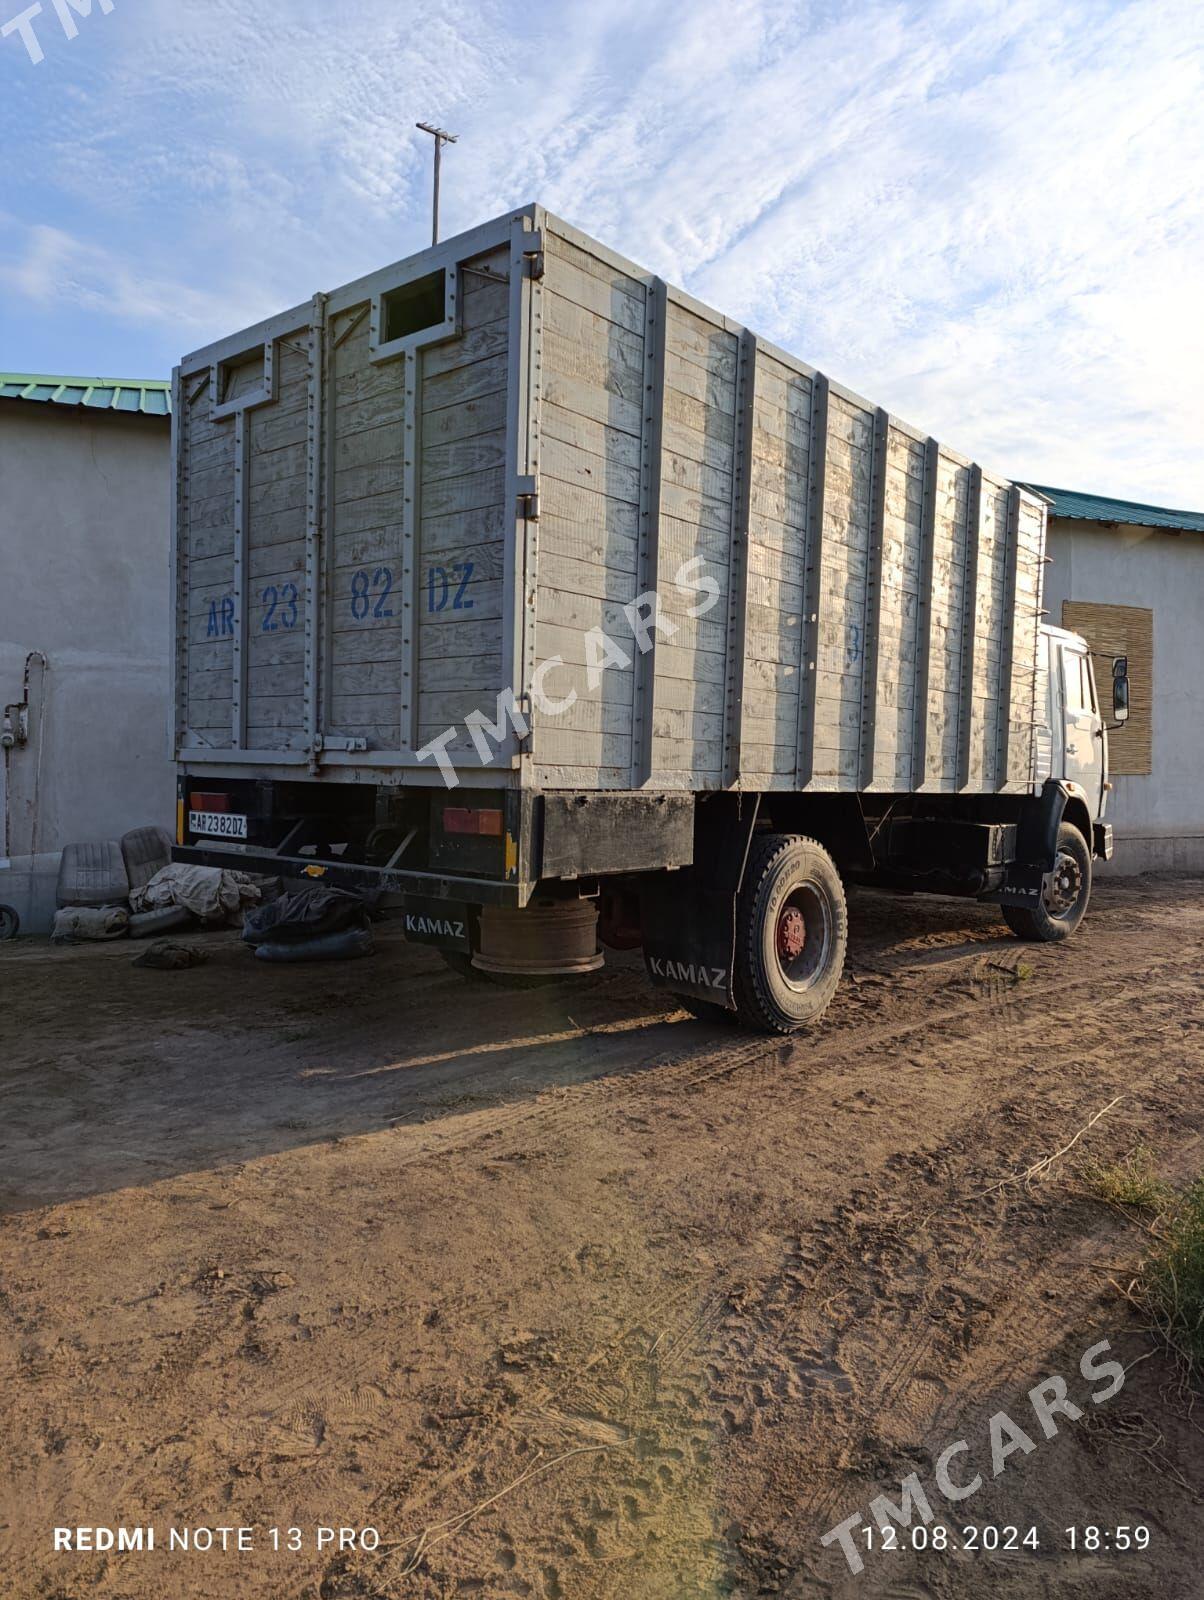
1071	768
1072	741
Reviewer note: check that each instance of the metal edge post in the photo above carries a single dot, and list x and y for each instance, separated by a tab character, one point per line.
965	707
323	688
656	308
534	268
518	456
1011	566
1038	613
313	510
741	515
871	617
924	616
817	468
242	500
179	565
409	710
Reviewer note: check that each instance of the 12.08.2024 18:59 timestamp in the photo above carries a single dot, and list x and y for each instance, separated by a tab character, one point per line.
990	1537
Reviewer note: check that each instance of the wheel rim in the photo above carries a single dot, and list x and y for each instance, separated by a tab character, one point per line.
1062	887
803	936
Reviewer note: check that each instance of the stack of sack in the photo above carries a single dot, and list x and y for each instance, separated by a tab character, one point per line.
312	924
131	887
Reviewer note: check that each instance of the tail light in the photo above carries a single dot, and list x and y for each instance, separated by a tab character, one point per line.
209	802
467	819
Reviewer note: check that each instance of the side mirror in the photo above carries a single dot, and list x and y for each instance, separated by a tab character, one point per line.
1120	688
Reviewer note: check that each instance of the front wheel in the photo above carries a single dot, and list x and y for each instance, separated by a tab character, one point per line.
1064	894
791	934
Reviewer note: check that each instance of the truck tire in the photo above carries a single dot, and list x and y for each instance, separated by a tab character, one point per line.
1064	894
791	934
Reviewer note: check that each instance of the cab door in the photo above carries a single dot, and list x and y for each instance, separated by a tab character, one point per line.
1084	746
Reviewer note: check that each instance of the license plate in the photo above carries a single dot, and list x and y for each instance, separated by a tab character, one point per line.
218	824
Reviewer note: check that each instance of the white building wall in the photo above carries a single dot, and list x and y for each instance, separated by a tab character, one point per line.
84	578
1159	818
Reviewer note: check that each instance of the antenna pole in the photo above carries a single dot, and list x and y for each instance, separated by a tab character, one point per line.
441	137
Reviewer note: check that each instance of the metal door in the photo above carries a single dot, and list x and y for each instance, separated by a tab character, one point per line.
1084	740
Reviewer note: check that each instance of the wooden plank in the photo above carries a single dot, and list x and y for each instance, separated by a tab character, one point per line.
578	468
460	458
592	401
590	293
702	343
584	577
598	367
454	386
609	547
595	438
567	321
584	260
454	529
470	418
698	383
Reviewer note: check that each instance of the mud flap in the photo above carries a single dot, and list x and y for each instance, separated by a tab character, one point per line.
1021	886
689	916
1036	848
1037	842
444	923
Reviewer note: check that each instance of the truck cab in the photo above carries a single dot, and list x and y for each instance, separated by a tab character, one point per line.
1072	735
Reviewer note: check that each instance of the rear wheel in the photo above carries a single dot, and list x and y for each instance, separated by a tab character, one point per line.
1064	894
791	934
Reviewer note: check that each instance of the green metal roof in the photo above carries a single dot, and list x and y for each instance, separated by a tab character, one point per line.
1099	508
149	396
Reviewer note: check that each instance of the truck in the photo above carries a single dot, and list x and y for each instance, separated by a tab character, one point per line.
520	590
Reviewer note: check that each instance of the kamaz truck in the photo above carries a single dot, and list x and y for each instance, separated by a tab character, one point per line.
519	587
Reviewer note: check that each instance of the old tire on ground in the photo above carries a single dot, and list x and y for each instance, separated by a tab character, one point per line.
791	934
1064	894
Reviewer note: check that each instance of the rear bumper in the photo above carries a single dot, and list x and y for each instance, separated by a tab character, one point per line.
378	880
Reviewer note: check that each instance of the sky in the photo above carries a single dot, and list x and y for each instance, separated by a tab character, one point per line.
986	216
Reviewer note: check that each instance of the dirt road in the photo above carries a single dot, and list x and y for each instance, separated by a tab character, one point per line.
569	1295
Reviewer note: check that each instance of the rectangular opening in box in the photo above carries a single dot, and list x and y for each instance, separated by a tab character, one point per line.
242	376
412	307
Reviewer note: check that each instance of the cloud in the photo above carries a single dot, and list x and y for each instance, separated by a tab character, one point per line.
983	215
49	268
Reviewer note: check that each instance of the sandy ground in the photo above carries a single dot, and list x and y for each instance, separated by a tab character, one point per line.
569	1295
